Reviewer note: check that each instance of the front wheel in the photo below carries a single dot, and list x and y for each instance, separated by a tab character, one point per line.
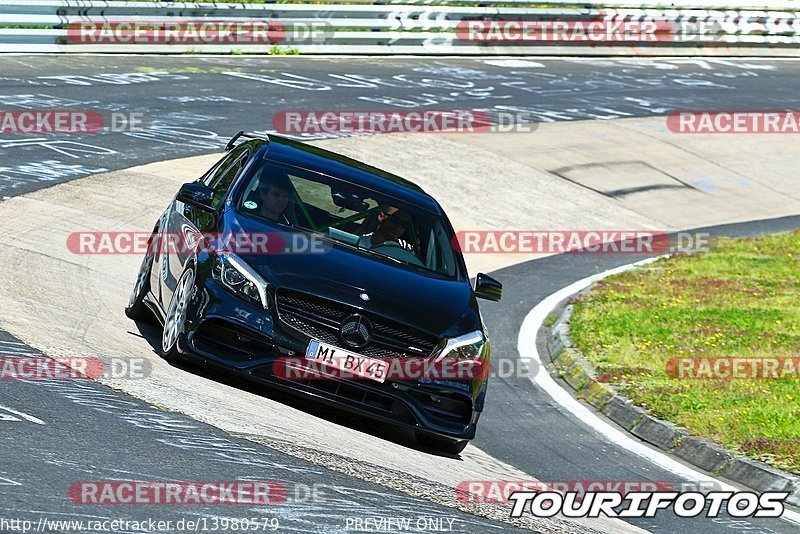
175	319
137	309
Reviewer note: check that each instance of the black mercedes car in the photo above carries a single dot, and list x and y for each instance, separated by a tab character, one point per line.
355	263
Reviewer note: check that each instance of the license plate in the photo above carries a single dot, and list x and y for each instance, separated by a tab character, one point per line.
349	364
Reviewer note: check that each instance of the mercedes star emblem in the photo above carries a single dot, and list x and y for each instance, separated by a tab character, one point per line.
356	331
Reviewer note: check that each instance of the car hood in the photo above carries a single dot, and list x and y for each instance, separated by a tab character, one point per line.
434	304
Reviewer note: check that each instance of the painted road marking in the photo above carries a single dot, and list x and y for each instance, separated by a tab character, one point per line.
6	417
526	345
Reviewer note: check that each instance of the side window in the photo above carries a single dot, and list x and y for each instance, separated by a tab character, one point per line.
228	172
213	175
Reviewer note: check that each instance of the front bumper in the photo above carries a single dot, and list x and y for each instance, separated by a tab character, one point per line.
224	331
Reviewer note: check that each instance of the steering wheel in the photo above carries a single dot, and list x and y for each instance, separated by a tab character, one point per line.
397	251
388	244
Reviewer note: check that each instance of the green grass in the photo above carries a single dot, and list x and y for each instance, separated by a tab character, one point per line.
738	300
277	50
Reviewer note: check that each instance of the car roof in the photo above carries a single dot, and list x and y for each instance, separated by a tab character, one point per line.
316	159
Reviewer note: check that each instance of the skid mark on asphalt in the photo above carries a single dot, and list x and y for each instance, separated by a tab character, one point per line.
556	90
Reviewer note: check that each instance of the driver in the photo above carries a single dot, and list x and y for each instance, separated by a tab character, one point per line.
392	225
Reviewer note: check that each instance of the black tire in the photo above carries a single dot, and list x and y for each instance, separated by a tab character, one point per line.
175	318
449	446
137	309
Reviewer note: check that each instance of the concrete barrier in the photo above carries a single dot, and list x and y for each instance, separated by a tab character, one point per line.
444	27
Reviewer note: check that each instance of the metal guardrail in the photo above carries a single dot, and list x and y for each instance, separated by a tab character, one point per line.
732	27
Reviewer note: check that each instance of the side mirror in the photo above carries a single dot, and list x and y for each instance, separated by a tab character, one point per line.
488	288
199	195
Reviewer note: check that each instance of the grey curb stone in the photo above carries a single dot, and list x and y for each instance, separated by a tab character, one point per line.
660	433
596	394
703	454
758	476
562	358
624	414
555	346
578	373
576	376
794	497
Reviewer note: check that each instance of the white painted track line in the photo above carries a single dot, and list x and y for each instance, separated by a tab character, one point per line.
526	345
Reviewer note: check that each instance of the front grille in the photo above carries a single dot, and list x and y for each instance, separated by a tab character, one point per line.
321	318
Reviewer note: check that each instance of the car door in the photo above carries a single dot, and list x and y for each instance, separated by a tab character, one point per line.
181	220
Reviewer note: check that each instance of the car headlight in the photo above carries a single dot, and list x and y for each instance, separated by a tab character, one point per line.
471	346
233	273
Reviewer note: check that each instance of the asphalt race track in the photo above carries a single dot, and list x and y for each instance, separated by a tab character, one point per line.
63	433
191	105
56	434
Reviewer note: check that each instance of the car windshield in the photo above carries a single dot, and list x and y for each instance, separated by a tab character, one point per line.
349	214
